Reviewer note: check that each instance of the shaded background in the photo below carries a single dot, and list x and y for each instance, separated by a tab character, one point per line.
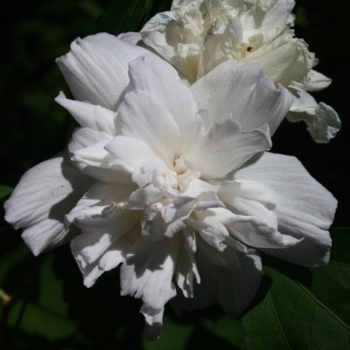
34	127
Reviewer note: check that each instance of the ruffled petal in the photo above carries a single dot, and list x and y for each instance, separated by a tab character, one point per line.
96	69
322	120
41	199
304	208
243	91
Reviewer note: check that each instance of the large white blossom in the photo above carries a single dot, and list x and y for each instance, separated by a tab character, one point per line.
198	35
172	182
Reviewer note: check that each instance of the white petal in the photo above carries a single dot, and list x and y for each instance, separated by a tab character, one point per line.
91	157
143	117
111	258
322	120
102	223
90	208
212	232
250	198
130	151
100	233
41	199
245	92
224	148
90	116
148	272
317	81
130	37
187	270
96	69
304	208
163	33
256	232
216	46
151	74
267	14
86	137
279	14
248	190
233	287
284	58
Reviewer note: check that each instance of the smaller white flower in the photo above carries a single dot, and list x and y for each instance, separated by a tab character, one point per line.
197	36
182	197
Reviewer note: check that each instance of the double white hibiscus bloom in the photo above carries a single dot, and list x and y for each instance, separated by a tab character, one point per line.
172	180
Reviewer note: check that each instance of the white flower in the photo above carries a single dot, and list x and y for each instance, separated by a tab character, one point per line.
183	196
196	36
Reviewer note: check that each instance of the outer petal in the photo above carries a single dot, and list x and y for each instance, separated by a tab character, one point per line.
322	121
304	208
245	92
96	68
41	199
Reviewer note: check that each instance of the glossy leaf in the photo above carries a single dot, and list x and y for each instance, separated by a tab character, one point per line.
304	308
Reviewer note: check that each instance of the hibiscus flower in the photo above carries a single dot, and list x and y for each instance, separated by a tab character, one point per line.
184	198
196	36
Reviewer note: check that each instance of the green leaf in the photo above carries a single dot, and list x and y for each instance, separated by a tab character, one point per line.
5	191
304	308
39	309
